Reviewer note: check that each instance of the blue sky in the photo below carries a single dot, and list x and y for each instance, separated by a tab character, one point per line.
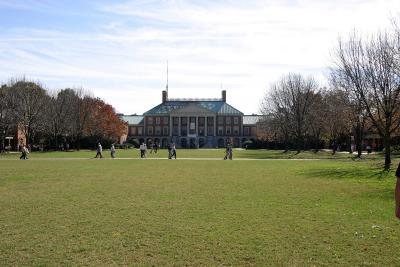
118	49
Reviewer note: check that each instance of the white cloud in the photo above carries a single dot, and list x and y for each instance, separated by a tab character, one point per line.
243	46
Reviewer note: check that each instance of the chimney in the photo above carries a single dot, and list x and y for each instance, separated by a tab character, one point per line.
164	96
224	95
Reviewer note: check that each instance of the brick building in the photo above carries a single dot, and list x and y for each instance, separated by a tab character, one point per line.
192	123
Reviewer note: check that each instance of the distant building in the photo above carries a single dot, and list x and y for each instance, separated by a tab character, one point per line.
14	140
192	123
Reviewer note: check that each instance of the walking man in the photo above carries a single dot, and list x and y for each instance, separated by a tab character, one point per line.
24	152
112	149
169	147
173	151
155	147
99	151
142	150
228	151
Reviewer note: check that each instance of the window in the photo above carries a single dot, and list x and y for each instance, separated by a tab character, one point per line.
201	130
183	121
158	130
220	120
150	130
201	121
183	131
236	130
228	120
165	120
228	130
175	131
192	125
150	120
158	120
165	130
220	130
140	130
175	121
210	121
210	130
246	130
236	120
132	130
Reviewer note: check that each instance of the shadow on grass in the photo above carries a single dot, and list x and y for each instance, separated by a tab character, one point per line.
380	180
349	172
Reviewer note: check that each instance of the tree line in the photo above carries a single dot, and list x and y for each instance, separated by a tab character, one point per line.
56	119
363	96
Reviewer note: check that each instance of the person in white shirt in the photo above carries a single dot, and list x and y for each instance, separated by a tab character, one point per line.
112	149
99	150
142	150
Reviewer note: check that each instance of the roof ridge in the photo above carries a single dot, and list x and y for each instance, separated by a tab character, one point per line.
194	99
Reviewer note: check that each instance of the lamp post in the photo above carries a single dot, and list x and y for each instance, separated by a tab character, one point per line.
2	148
359	134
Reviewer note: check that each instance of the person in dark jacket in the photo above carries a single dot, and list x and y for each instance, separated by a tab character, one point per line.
397	192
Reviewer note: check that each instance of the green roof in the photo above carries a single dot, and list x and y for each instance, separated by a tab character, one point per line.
251	119
133	119
219	107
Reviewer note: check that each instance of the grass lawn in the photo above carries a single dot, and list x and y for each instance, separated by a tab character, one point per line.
196	212
198	153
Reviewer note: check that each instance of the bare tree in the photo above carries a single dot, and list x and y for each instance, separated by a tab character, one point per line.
62	114
6	122
316	119
28	102
277	113
369	70
290	100
82	110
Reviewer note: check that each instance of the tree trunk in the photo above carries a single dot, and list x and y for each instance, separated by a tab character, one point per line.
299	145
386	143
359	145
55	142
317	143
78	142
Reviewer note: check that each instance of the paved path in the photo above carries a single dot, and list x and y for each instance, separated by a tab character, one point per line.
235	159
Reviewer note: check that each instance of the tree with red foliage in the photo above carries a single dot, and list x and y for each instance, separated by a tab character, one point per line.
104	122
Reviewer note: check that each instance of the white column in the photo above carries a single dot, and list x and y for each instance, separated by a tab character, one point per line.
205	126
215	125
170	126
187	125
197	125
179	126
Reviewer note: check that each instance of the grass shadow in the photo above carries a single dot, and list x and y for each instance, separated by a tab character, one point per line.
349	172
380	181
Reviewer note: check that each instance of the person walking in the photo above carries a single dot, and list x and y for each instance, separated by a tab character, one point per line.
154	147
112	149
24	152
151	148
173	150
397	192
228	151
142	150
99	151
169	147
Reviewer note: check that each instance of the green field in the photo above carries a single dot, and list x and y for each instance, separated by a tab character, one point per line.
61	208
199	153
